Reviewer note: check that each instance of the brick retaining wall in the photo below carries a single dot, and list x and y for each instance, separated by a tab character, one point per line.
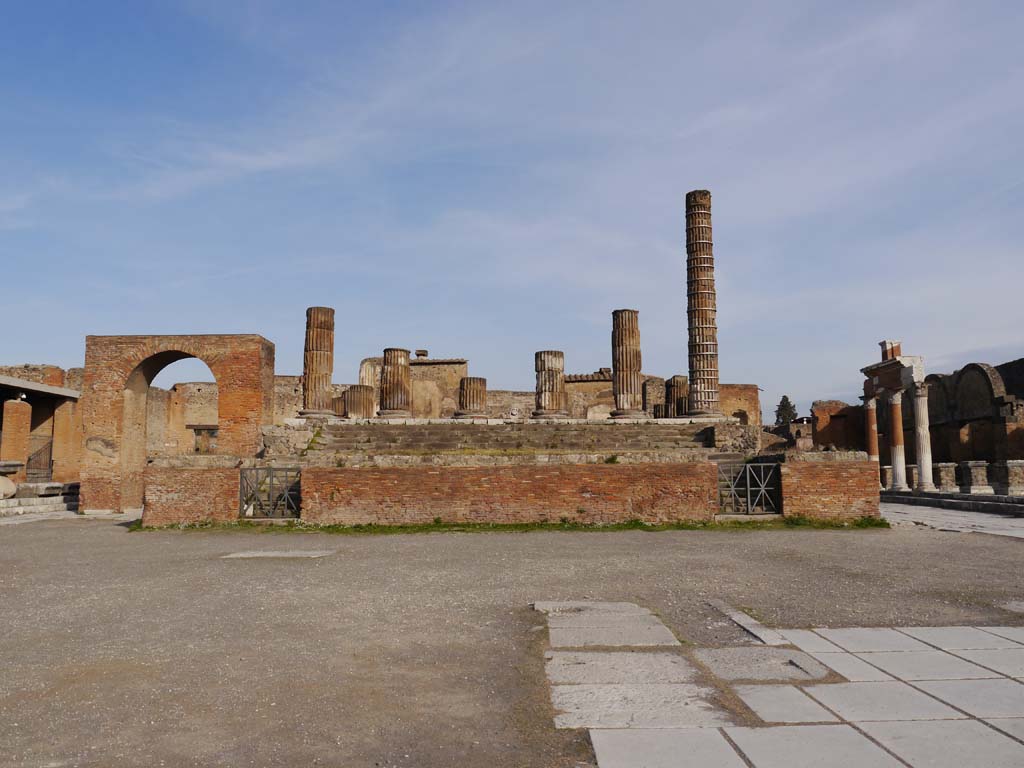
582	493
821	488
190	495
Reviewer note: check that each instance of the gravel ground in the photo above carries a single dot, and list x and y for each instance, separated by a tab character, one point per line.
146	648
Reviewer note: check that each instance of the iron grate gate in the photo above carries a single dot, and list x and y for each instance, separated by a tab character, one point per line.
269	492
749	488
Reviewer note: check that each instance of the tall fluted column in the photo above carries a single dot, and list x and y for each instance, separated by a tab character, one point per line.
627	381
359	401
395	384
700	305
552	399
923	439
318	360
899	461
871	428
472	398
676	389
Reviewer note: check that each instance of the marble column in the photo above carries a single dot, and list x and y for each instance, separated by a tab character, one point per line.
676	389
899	461
472	398
701	309
318	361
627	381
552	399
923	439
359	402
395	385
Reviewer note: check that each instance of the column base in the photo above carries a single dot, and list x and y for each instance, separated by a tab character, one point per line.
469	415
545	414
394	414
900	487
305	413
638	414
930	488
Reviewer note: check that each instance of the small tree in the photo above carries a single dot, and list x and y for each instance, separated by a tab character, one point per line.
785	413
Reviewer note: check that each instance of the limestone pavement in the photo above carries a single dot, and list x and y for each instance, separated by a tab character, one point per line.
924	697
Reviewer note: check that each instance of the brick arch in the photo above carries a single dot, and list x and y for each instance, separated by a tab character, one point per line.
118	373
977	387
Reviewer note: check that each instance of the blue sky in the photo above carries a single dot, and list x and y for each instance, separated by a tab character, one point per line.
486	180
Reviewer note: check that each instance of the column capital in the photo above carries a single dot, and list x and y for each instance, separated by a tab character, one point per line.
870	401
895	396
920	389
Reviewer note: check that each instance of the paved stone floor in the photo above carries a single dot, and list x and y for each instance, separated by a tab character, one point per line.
952	520
125	648
924	697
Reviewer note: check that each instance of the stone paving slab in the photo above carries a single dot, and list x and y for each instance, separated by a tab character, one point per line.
955	521
947	744
1010	633
981	698
1006	661
810	746
868	639
863	702
576	667
278	553
853	669
637	748
761	663
611	636
575	606
959	638
926	665
1011	725
677	705
602	620
783	704
809	641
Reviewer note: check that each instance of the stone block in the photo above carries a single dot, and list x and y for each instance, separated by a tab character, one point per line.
974	478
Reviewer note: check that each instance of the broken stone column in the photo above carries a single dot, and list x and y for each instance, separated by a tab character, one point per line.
944	475
701	306
899	461
658	411
912	475
1008	477
472	398
887	476
318	361
14	440
676	389
359	402
974	478
338	405
654	394
395	386
923	439
552	399
627	381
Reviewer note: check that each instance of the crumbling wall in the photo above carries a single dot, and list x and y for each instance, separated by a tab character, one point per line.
741	401
839	424
50	375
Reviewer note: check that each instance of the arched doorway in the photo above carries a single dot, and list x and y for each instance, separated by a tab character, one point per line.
118	373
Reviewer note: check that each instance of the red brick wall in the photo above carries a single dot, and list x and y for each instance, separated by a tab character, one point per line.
839	424
190	495
17	428
585	493
830	490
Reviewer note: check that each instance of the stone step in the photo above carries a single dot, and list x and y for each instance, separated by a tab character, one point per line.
37	501
37	509
1008	506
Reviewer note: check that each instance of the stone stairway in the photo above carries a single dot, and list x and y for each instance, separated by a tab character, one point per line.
37	498
580	437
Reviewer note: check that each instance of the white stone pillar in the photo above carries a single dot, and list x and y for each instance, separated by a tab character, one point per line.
899	461
923	437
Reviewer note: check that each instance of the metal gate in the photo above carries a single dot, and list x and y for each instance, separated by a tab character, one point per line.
269	492
39	466
749	488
